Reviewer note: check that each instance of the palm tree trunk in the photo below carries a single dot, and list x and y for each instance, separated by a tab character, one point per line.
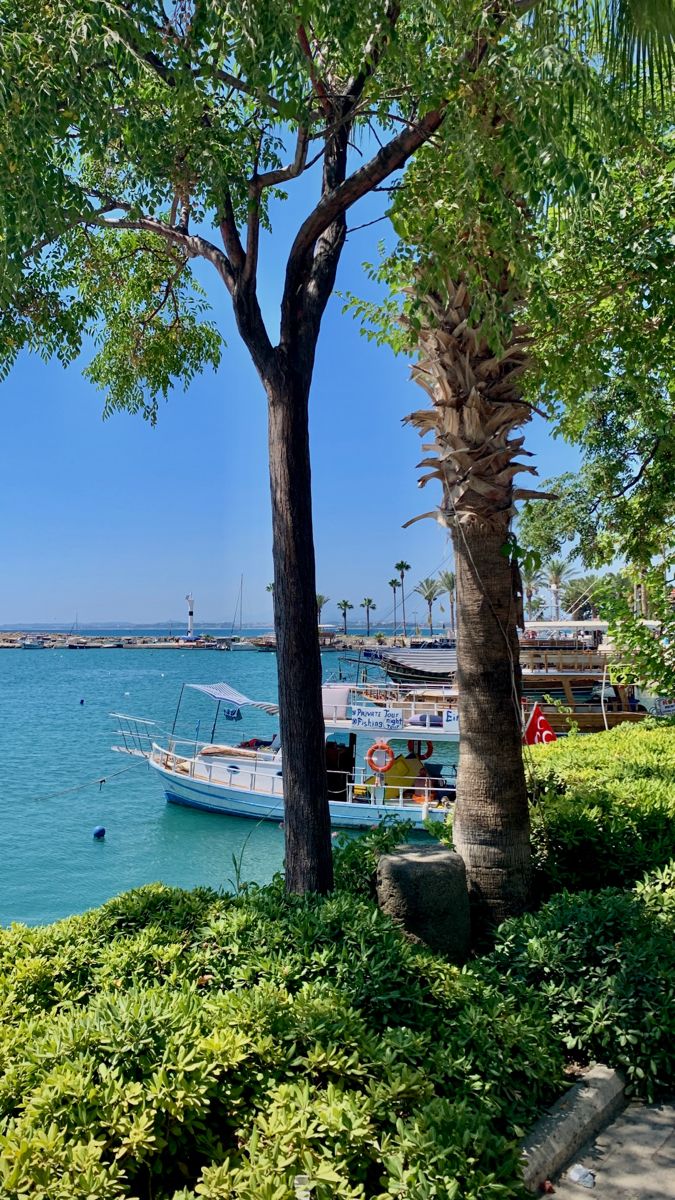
405	631
309	865
394	610
431	627
367	622
491	827
476	408
451	600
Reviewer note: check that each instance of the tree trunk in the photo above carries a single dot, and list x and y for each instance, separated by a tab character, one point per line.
309	863
431	627
405	631
491	824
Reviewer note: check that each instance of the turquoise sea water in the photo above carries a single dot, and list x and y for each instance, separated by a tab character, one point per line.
50	865
55	749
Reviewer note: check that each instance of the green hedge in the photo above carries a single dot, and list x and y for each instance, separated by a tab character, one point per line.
175	1045
191	1046
603	808
604	964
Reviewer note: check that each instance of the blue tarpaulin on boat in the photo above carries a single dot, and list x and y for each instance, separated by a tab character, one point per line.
230	697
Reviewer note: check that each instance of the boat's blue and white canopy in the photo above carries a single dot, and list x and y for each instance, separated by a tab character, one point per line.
234	700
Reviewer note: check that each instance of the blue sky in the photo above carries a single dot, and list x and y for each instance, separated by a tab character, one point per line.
117	521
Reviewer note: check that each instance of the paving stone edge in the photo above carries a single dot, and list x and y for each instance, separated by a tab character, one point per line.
574	1119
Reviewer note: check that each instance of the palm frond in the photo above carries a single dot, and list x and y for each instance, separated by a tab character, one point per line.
634	39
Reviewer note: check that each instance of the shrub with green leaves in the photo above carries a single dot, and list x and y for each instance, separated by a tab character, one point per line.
604	964
192	1046
179	1045
603	808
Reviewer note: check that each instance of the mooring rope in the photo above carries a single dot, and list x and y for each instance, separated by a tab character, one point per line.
80	787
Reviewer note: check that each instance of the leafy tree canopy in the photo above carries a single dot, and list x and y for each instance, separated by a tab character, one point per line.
129	128
606	351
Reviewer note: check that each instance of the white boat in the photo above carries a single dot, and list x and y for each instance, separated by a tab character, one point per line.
32	643
247	780
240	643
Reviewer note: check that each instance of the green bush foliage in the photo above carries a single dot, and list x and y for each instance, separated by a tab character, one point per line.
193	1046
179	1045
603	807
604	964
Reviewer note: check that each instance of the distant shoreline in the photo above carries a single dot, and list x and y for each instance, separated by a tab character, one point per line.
44	639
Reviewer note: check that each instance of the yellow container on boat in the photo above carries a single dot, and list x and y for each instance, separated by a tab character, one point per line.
402	774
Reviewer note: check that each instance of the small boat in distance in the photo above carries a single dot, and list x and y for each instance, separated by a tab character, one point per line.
246	780
240	643
32	643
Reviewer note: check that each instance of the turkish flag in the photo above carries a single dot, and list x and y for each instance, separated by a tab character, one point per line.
537	729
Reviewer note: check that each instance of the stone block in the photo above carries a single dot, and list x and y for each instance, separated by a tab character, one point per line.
423	889
573	1120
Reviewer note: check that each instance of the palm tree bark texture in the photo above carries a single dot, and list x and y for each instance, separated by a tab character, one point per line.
476	405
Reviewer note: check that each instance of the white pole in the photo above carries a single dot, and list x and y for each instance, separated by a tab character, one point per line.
191	624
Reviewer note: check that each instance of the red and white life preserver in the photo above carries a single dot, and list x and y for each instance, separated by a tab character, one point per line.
427	753
380	757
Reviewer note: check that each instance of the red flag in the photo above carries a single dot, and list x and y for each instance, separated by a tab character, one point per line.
537	729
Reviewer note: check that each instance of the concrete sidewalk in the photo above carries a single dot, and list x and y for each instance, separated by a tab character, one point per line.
632	1159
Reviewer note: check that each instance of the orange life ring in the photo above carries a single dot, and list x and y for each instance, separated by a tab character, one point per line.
380	748
427	754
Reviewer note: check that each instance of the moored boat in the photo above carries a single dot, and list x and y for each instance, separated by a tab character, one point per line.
247	779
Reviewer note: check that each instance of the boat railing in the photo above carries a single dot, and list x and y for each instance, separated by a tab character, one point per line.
432	701
267	778
431	794
137	734
245	775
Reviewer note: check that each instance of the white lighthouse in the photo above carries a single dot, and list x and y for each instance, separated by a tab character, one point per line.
191	615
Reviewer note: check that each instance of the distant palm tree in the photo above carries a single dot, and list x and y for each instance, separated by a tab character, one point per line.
578	597
532	579
402	567
394	584
344	607
558	572
448	583
429	589
368	604
321	602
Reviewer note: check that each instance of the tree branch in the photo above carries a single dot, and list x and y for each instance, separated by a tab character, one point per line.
86	219
240	85
193	245
317	83
153	60
336	202
639	474
230	234
272	178
168	291
372	52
